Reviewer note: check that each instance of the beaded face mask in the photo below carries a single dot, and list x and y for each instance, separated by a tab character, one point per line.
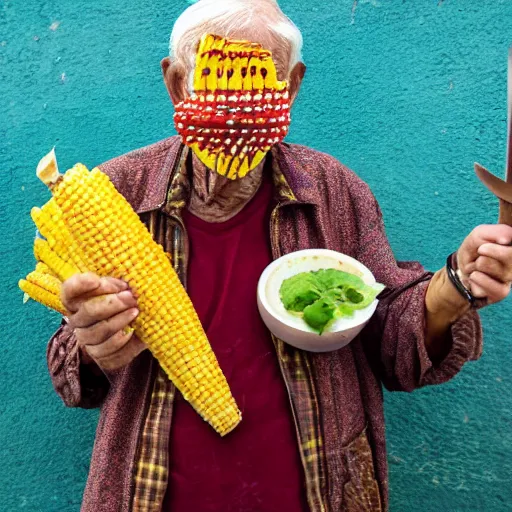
238	110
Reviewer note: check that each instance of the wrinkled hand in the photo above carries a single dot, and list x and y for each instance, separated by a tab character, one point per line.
485	260
100	311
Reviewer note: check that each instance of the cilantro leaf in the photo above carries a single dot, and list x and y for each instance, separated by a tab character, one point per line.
327	294
299	291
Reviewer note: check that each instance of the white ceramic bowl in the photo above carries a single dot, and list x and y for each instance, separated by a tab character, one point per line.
291	328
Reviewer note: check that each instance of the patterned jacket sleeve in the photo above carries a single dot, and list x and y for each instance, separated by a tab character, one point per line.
78	384
395	337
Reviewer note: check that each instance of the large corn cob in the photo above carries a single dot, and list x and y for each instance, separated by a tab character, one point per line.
114	242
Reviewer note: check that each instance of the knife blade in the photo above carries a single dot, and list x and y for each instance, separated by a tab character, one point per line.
497	186
502	188
505	216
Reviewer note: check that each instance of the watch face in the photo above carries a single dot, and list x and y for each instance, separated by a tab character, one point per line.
238	110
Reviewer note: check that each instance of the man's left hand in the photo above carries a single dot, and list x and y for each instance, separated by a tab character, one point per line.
485	260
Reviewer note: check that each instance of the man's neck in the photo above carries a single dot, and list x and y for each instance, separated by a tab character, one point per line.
215	198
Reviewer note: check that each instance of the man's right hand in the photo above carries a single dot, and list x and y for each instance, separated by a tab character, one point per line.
100	311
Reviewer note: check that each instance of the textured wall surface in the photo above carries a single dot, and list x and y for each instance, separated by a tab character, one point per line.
407	93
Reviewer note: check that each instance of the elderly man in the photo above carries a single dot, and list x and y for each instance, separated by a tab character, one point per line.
312	434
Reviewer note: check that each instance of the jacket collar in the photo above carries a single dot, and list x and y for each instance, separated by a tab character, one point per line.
291	170
293	185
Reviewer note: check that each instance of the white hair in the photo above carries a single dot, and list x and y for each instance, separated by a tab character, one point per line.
234	18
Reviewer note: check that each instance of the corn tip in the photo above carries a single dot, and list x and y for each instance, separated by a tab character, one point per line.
47	169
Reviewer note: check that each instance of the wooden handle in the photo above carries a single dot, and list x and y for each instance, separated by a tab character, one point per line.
500	189
505	213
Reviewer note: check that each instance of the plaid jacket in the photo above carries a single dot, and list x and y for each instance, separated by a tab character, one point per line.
335	398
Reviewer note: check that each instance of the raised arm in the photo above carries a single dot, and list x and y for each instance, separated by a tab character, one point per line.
423	331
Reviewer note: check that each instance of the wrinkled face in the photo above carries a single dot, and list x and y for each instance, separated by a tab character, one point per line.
238	110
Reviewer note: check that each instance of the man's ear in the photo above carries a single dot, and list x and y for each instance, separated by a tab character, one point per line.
175	79
295	81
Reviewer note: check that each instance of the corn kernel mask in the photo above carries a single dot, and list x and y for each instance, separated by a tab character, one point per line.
238	109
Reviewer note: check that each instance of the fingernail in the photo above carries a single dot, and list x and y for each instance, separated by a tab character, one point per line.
135	312
125	296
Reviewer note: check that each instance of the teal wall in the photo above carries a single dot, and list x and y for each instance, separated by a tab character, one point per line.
415	93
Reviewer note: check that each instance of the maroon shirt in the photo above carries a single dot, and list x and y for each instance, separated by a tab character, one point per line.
256	467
